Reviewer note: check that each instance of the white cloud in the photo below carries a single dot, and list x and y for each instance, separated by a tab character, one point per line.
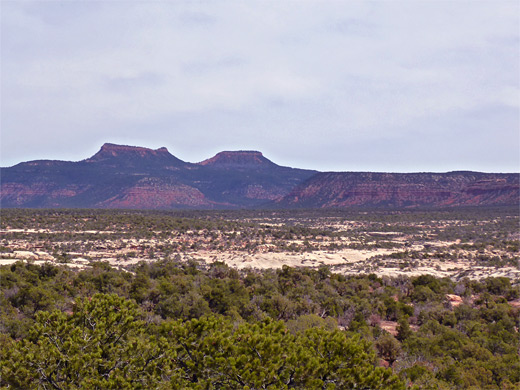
282	75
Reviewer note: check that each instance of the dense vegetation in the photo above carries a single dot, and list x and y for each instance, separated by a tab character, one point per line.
171	324
155	317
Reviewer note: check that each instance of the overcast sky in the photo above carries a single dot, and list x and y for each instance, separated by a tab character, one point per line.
400	86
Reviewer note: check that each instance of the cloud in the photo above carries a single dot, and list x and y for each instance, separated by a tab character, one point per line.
262	75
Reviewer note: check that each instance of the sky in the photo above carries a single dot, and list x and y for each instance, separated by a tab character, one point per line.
387	86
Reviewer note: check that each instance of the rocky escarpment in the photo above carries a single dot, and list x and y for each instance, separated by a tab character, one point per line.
153	193
120	156
367	189
121	176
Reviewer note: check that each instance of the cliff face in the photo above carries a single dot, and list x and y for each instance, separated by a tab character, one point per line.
153	193
358	189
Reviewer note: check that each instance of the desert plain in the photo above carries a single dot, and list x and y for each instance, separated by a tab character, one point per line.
473	243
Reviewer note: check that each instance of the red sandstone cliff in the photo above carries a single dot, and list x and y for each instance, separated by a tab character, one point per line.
347	189
133	177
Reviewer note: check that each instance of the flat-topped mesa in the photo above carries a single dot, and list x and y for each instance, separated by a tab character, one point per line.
239	159
372	189
112	152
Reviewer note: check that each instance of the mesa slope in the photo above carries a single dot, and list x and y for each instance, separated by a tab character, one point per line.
131	177
140	178
368	189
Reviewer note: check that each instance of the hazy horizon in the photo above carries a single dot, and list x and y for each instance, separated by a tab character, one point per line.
252	150
381	86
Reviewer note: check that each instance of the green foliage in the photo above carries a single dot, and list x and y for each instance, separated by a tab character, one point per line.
310	321
403	329
215	353
388	347
105	344
102	345
172	324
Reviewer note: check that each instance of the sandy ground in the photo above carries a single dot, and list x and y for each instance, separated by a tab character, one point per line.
345	261
277	260
235	259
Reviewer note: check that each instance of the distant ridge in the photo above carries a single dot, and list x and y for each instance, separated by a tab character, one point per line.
369	189
121	176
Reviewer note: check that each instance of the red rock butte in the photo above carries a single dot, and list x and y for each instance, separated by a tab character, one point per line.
112	150
246	158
